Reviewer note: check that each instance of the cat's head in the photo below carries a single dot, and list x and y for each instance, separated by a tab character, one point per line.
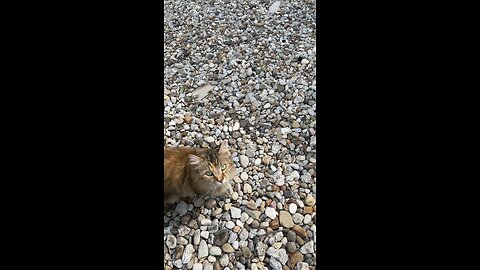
214	165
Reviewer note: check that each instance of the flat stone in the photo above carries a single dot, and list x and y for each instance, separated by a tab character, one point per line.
188	253
203	91
202	249
196	237
300	231
286	219
291	247
246	252
228	248
215	251
221	237
181	208
255	214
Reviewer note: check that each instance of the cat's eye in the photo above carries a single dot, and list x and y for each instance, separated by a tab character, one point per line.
209	173
224	166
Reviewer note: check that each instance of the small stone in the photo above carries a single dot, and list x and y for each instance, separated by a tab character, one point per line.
246	252
188	253
196	237
215	251
205	222
197	266
302	265
292	208
229	224
202	249
308	210
251	205
171	241
300	231
310	200
247	188
227	248
274	224
244	161
261	248
291	247
274	264
255	214
307	248
295	258
300	241
221	237
307	219
204	234
270	212
244	217
224	260
182	241
227	206
291	236
188	118
266	159
181	208
279	254
297	218
235	212
244	176
286	219
209	139
210	203
179	252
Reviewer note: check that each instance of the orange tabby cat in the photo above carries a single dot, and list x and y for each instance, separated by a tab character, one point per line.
196	171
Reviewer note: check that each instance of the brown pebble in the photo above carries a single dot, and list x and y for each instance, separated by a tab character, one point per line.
266	160
188	118
275	223
295	258
308	210
300	231
217	266
275	188
300	241
268	202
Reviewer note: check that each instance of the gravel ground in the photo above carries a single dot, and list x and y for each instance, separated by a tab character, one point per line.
244	71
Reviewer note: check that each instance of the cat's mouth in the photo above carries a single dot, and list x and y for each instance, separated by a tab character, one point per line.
221	182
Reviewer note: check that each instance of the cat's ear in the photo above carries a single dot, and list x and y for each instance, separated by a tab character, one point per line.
223	148
194	160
